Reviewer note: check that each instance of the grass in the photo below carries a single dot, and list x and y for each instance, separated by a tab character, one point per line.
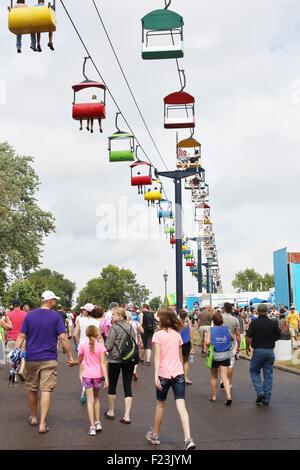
288	364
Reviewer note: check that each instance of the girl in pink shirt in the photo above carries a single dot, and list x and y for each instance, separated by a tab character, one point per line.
92	354
169	373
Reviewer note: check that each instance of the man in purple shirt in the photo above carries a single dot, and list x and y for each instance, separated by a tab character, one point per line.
40	329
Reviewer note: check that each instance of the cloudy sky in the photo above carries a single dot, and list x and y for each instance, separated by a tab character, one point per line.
242	61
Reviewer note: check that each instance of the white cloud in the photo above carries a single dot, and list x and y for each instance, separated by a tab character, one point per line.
242	64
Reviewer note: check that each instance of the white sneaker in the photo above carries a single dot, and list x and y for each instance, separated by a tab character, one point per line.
92	431
98	426
190	444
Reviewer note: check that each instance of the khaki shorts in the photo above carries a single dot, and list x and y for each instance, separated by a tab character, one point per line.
293	332
203	330
41	376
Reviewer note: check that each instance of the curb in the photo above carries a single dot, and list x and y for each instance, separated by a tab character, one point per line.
276	366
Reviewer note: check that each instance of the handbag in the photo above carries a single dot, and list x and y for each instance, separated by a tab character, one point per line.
209	357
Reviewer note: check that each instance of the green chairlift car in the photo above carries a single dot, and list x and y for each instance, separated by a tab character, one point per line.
121	146
158	24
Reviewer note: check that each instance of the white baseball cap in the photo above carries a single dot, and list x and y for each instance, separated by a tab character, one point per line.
49	295
88	307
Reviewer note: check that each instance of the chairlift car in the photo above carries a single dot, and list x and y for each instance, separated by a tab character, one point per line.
173	240
169	227
159	24
154	193
121	145
188	153
190	263
179	111
32	19
141	175
164	210
89	110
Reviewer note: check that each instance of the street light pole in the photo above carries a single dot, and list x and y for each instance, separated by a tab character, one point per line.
209	263
166	288
177	176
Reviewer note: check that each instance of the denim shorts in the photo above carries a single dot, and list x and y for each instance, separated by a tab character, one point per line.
177	384
91	383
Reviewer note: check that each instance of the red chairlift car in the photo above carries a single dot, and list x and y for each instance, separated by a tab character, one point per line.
180	108
190	264
179	111
173	240
141	175
95	109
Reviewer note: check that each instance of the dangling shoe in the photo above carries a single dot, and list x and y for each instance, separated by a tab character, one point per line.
19	51
50	44
33	48
39	49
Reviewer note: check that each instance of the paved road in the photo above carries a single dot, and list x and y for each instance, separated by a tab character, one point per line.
214	426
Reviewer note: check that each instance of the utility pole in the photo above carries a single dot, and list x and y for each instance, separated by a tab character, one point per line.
177	176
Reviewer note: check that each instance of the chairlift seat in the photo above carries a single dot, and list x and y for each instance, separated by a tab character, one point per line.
32	20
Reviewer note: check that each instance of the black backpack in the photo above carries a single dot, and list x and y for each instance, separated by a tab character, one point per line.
149	322
129	352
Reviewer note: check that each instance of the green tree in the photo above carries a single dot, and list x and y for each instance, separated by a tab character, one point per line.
155	303
268	281
23	224
45	279
251	280
25	291
113	285
30	290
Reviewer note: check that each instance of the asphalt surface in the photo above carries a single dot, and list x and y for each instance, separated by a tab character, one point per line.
244	426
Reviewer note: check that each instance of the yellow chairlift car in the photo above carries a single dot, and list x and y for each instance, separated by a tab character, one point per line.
32	19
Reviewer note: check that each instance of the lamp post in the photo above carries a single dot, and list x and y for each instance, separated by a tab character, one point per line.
209	264
166	288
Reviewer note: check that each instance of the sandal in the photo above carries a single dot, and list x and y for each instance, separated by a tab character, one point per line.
188	382
45	430
31	422
213	400
107	416
228	402
124	421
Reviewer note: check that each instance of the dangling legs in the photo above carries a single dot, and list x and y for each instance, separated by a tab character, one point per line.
88	125
39	42
92	125
100	125
80	128
50	43
19	43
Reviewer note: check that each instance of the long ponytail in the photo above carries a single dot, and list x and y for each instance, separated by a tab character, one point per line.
92	334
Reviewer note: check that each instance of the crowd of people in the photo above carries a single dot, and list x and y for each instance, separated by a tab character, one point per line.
116	341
